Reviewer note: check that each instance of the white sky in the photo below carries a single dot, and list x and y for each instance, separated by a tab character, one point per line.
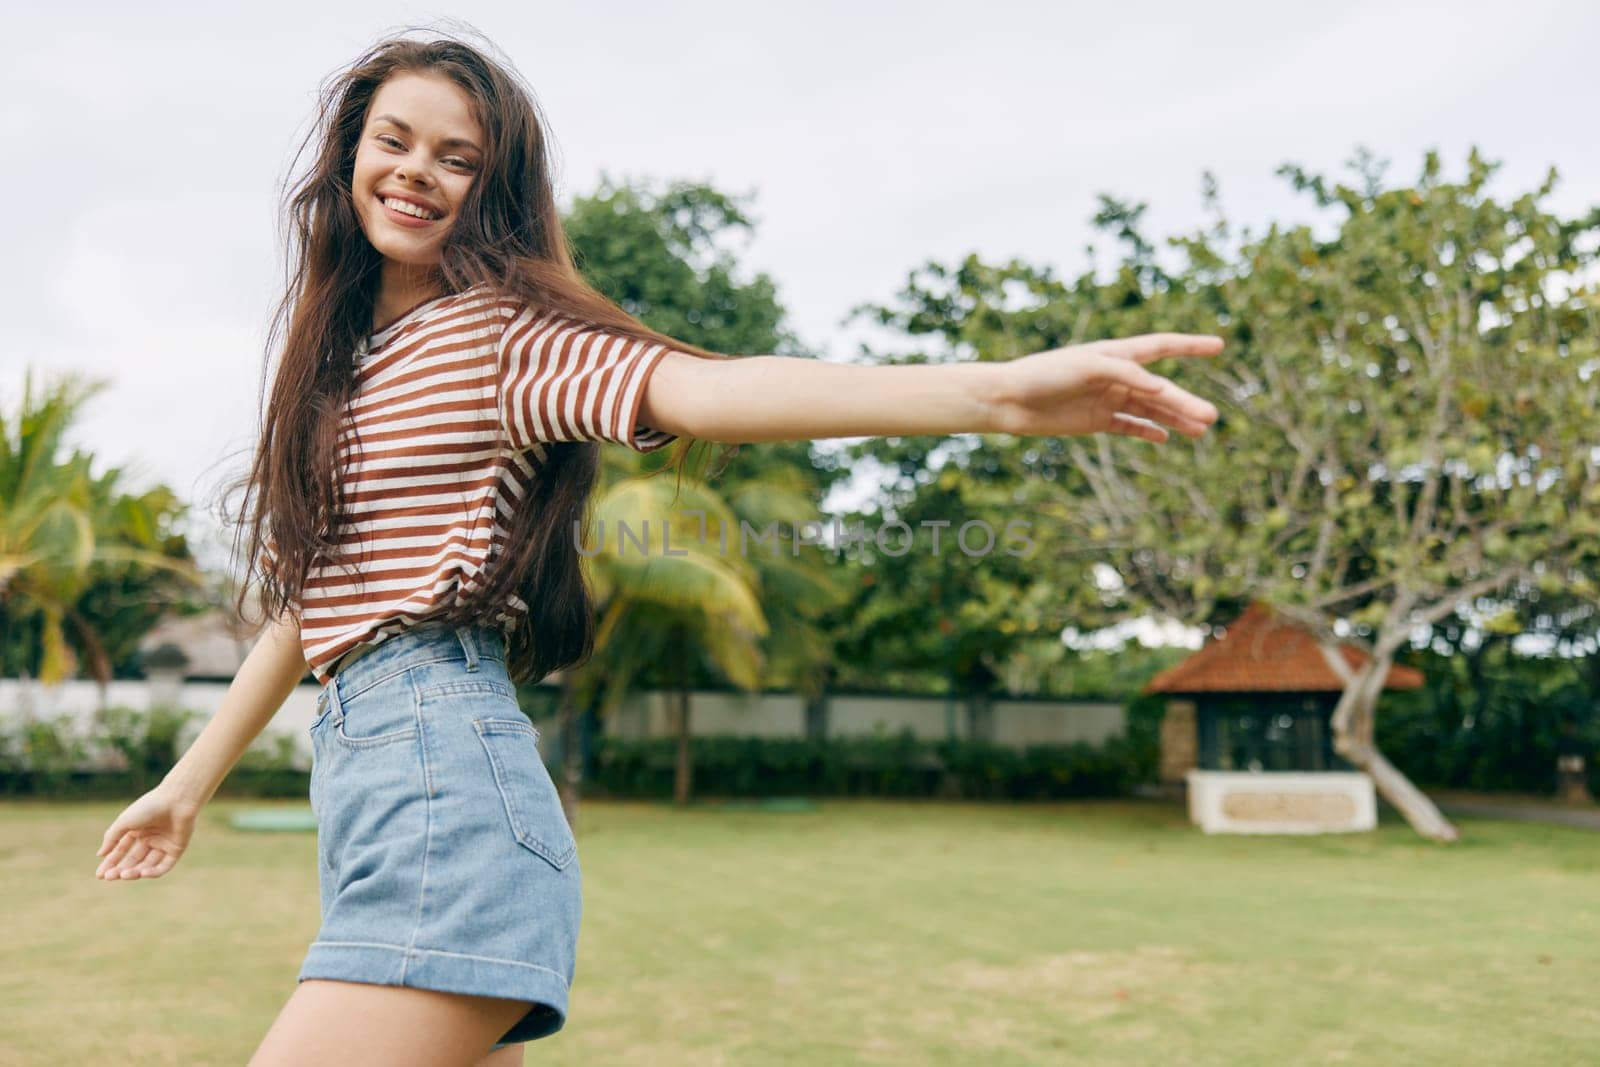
143	147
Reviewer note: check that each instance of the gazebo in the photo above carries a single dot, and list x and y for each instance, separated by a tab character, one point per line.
1247	731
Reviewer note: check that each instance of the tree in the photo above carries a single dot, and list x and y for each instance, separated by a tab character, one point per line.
947	587
1407	412
84	568
668	603
673	621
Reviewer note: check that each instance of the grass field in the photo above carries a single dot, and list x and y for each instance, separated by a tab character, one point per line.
877	933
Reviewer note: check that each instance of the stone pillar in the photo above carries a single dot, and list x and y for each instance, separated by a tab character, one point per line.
1180	741
165	668
1572	779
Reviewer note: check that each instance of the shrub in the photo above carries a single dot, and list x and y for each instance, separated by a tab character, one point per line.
896	765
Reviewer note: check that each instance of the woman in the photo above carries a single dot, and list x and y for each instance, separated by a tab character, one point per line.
445	381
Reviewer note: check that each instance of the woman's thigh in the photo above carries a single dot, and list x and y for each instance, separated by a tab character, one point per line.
510	1056
332	1022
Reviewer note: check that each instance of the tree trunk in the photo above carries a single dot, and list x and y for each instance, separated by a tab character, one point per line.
571	759
685	770
1353	739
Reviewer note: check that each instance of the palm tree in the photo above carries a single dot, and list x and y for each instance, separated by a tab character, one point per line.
746	617
62	530
796	588
662	612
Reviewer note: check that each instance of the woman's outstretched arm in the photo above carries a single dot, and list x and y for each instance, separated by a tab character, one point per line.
269	674
1100	387
151	834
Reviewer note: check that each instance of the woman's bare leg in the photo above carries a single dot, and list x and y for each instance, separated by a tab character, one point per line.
327	1023
510	1056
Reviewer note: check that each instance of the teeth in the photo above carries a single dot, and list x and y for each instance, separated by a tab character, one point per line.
409	208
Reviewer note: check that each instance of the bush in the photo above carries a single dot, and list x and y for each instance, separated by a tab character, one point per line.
40	756
47	758
146	740
896	765
1499	729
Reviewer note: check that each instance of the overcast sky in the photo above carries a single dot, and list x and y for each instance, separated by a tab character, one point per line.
143	147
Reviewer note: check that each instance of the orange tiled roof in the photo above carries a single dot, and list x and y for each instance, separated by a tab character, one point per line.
1260	653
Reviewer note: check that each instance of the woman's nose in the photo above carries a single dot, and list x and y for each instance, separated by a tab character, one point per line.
411	172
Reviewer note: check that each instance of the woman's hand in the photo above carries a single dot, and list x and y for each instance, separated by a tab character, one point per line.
146	840
1102	387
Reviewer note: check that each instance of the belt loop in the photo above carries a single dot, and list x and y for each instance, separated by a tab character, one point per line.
334	701
469	646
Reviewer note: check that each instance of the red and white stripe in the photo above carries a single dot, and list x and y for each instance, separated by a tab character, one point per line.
453	404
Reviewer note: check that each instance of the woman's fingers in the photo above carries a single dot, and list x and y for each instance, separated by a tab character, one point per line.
136	856
140	868
1131	426
1187	419
121	855
160	864
129	859
1148	347
1175	402
1164	397
114	856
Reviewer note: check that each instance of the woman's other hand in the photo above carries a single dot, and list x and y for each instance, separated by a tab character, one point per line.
147	839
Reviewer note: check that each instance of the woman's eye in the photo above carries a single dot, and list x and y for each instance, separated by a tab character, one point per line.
389	141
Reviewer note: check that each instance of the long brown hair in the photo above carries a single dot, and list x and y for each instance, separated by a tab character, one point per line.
508	236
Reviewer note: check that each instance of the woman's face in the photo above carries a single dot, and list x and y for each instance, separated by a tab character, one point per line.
420	146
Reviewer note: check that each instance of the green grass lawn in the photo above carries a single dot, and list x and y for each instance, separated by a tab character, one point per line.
880	933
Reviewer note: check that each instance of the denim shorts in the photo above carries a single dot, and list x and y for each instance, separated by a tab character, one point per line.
444	859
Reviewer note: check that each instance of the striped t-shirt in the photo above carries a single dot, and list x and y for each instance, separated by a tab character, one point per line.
452	403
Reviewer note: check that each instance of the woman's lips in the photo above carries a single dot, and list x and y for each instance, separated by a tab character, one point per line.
402	219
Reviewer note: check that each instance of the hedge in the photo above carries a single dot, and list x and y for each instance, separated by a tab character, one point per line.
886	766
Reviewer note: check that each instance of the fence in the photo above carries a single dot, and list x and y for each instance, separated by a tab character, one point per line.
1011	723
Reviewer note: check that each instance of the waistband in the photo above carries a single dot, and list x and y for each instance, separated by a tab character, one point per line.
425	640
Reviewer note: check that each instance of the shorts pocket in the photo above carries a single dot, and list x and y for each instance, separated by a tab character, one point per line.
532	805
382	714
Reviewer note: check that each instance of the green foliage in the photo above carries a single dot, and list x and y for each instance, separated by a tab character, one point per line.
666	256
47	750
1494	721
955	591
147	740
85	568
48	757
1144	715
1404	405
894	765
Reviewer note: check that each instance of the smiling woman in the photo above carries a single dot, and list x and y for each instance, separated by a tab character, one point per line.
423	476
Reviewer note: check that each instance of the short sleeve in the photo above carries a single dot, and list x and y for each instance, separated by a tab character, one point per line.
563	380
269	555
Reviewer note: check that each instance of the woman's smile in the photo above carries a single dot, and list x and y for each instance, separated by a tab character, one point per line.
407	213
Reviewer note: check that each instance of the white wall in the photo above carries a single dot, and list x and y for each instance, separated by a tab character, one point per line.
776	715
1016	722
928	720
76	701
647	714
1032	723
